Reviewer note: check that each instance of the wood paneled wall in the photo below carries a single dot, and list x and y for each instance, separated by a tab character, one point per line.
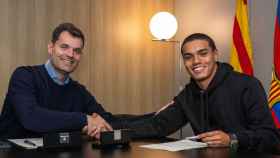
121	66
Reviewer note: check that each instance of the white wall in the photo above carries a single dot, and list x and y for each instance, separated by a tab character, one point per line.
213	17
262	15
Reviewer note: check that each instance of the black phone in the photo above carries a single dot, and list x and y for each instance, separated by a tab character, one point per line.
115	138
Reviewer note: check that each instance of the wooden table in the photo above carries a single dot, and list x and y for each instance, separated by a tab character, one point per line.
133	151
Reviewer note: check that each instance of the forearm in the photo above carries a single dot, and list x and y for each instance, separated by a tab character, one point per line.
37	119
122	121
260	133
259	139
144	128
54	121
162	124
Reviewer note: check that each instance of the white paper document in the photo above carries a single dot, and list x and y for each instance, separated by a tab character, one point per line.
184	144
28	143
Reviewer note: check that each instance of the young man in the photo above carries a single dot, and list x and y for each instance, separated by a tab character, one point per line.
43	98
224	107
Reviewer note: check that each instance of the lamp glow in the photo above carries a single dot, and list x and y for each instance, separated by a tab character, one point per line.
163	25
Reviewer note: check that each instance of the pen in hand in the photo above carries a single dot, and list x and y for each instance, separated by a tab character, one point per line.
193	138
29	142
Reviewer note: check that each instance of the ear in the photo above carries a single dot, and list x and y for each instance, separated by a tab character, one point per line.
50	48
217	55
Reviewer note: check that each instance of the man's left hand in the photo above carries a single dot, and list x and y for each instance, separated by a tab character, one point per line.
216	138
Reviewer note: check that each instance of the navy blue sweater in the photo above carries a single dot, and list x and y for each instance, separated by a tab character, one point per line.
35	104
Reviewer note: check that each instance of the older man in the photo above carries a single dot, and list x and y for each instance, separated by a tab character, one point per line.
44	98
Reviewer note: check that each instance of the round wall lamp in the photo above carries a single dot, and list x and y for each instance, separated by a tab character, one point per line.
163	25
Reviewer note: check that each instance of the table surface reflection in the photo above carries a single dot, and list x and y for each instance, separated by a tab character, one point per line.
132	151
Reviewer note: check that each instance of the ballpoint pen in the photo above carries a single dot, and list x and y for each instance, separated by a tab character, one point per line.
192	138
29	142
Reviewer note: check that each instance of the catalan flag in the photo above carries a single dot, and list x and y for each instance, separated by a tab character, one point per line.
241	53
274	92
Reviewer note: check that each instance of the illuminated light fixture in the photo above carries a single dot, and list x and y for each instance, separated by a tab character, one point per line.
163	26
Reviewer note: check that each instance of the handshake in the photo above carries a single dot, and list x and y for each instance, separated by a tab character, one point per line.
95	125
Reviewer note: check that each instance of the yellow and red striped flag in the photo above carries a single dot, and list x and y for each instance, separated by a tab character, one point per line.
241	53
274	92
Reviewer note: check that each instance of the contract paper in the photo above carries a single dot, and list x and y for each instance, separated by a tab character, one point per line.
184	144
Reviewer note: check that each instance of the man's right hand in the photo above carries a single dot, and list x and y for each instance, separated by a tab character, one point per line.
216	138
96	124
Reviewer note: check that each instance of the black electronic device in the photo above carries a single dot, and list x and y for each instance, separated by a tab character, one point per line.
62	139
115	138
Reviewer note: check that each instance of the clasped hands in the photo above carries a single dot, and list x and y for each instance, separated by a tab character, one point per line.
95	125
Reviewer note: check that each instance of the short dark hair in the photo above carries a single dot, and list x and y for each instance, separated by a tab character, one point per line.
199	36
69	27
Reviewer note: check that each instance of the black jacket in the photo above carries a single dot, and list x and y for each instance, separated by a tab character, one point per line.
233	102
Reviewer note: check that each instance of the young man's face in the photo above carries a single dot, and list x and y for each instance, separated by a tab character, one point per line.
65	53
200	60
